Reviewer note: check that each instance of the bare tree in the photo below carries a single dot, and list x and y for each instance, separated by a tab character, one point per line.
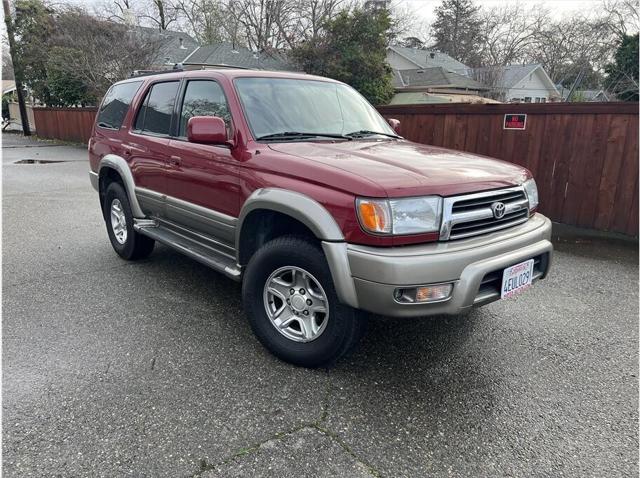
205	19
622	16
567	47
121	11
259	22
161	14
406	22
491	77
99	52
510	32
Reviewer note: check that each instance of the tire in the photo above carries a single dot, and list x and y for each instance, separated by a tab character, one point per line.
339	330
130	245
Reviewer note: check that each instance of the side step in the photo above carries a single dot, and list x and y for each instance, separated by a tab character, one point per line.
189	247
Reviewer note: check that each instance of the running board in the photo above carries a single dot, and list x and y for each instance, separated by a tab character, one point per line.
189	247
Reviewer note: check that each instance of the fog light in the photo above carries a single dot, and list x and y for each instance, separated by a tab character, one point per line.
433	292
427	293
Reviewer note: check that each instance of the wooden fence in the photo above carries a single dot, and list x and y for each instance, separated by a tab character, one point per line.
584	156
67	124
16	118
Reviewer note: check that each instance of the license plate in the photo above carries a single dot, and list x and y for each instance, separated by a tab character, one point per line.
516	279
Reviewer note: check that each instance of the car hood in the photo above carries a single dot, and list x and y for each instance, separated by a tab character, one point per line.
403	168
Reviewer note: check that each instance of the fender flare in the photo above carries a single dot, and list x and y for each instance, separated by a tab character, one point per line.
117	163
316	217
299	206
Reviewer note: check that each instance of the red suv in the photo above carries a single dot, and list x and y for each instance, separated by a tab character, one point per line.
296	186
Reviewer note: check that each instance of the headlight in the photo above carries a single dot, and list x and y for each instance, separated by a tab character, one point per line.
532	193
400	216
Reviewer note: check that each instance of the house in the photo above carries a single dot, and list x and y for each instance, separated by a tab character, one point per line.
230	56
516	83
8	86
435	85
585	95
174	46
403	58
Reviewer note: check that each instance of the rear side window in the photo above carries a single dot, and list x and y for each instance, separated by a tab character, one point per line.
203	98
155	113
116	103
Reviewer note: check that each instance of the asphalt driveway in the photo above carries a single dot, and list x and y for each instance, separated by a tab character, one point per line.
150	369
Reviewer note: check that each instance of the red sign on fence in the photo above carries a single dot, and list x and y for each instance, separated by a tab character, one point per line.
515	121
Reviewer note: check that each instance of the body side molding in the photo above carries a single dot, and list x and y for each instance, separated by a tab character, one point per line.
122	167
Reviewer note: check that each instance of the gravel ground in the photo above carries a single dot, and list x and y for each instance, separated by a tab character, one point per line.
150	369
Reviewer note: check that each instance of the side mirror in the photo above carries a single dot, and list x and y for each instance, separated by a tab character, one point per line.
207	130
395	124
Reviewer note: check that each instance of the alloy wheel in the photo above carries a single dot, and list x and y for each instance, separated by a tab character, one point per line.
296	304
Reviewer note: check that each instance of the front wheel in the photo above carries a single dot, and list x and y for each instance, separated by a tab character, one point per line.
293	307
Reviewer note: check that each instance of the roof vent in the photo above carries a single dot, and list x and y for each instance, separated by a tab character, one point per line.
432	55
182	47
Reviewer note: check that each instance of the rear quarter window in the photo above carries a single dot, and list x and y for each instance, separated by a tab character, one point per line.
115	104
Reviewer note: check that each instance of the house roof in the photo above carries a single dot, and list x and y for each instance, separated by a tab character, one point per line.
585	95
432	77
590	95
227	54
175	46
511	75
420	97
428	58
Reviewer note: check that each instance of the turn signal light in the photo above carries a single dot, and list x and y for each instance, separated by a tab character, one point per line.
374	215
424	294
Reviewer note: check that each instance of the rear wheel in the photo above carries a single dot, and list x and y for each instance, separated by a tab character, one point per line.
126	242
293	307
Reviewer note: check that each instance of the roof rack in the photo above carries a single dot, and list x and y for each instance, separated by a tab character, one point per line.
213	66
176	68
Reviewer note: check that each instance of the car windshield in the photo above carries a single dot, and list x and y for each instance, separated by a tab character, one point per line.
285	108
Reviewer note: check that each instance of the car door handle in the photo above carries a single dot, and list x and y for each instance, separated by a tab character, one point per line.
176	160
127	151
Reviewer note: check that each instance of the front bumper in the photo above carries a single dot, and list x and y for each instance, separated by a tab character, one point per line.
368	276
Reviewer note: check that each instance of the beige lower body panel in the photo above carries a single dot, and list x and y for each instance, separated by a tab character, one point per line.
377	272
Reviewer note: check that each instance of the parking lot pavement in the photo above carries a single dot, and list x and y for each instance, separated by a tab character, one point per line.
150	369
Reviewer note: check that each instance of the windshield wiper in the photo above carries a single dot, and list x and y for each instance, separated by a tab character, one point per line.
365	132
299	134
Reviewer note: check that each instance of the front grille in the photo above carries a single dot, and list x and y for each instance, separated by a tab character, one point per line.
472	215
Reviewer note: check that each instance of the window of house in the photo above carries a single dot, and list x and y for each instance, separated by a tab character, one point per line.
155	113
116	103
543	100
516	100
538	99
203	98
527	99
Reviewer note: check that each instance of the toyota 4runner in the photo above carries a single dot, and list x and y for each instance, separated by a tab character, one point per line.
296	186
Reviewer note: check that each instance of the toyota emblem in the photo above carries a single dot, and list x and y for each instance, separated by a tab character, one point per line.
498	209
